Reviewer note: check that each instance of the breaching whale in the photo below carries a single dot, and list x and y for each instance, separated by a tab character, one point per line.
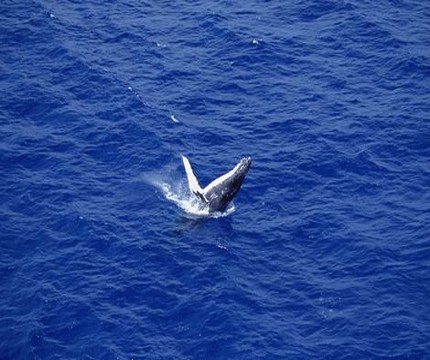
218	194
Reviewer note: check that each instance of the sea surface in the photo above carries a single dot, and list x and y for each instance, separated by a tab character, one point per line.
325	251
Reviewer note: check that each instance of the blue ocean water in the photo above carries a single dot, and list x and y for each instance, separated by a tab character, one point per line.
326	254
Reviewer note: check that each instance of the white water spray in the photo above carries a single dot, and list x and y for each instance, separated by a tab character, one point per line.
177	192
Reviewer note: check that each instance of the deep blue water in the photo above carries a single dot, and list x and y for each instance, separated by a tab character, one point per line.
327	252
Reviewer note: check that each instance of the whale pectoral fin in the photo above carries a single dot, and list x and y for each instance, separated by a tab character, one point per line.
193	184
219	180
201	197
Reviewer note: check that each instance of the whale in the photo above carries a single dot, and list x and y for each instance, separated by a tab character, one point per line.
221	191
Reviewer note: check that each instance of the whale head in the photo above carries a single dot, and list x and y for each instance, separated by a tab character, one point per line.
241	169
221	191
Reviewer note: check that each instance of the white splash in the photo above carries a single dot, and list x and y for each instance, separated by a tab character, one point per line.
172	117
178	193
160	45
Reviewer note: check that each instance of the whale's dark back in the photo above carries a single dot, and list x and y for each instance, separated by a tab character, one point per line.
221	195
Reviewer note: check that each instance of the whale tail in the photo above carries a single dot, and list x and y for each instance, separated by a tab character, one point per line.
193	183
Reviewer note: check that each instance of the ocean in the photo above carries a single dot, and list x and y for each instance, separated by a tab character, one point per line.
325	251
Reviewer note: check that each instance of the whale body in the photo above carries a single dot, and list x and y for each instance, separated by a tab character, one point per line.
219	193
